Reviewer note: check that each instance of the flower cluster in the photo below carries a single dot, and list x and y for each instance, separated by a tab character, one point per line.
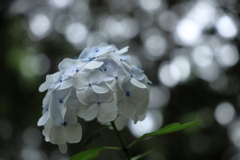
101	83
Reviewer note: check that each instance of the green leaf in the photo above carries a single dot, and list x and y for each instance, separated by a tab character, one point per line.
168	129
96	134
88	154
91	153
141	155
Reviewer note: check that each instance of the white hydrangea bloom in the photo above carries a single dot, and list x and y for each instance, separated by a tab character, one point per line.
101	83
102	106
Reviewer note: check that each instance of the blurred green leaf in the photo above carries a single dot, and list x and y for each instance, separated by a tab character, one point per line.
141	155
168	129
91	153
96	134
88	154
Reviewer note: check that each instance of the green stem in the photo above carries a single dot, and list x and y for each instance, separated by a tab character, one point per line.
142	155
130	145
121	141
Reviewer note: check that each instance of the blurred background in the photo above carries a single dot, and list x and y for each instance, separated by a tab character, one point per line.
189	49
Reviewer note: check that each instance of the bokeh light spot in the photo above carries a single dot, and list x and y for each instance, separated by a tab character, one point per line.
224	113
226	27
187	33
76	33
40	25
152	122
202	56
169	74
228	55
159	97
150	5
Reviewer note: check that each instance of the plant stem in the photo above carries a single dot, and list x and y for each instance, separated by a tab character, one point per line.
125	150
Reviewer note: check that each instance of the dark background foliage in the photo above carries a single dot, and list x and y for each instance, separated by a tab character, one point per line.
202	85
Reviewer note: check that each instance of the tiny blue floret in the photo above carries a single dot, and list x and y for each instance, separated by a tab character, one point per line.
98	102
64	124
60	101
128	93
90	59
90	84
116	77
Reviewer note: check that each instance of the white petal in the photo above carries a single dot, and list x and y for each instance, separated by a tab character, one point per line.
46	130
56	135
107	111
62	94
137	83
120	93
95	97
107	79
91	96
73	133
59	98
80	63
70	116
137	74
100	88
126	84
42	87
80	81
84	54
63	147
103	50
123	50
72	101
63	110
147	80
127	107
42	121
88	112
49	80
126	58
66	63
55	112
56	76
106	97
53	86
112	84
46	99
121	75
115	57
65	84
95	77
140	116
120	122
126	65
140	97
82	98
112	68
93	65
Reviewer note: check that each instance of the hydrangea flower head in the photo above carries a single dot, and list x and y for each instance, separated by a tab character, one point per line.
101	83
